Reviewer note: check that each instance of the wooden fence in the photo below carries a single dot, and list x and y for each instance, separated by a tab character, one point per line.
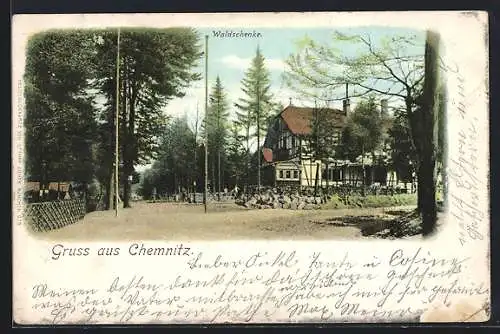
52	215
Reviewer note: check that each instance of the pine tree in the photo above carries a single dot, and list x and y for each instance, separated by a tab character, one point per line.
217	126
236	155
255	107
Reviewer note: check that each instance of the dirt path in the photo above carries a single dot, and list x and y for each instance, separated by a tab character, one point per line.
166	221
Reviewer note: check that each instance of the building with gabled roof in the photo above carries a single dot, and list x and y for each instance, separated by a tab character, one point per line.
286	152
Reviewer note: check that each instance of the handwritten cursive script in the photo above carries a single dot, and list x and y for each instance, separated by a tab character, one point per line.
287	286
463	168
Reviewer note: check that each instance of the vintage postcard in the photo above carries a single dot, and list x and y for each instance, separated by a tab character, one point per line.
250	168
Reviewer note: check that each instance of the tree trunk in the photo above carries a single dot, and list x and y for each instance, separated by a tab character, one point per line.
110	185
213	174
126	138
300	165
420	194
309	183
363	193
427	181
111	188
444	144
327	172
126	190
316	180
258	154
218	172
258	136
205	176
247	162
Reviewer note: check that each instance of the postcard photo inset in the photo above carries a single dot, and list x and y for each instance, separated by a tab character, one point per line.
250	168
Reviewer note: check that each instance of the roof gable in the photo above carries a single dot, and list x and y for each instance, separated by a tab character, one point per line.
299	119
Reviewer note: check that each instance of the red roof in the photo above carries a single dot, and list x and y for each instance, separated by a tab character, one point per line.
298	119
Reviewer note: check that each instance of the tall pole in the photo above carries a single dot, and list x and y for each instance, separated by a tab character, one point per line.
258	134
117	185
218	150
206	118
196	153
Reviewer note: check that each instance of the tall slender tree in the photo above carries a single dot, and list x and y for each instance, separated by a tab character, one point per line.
236	155
255	107
429	121
196	129
217	127
156	65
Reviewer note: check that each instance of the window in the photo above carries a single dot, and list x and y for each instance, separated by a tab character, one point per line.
281	174
293	141
288	174
335	175
295	174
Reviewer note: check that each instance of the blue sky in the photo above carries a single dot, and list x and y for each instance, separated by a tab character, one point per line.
229	58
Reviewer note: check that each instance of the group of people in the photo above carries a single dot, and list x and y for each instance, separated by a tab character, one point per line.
184	196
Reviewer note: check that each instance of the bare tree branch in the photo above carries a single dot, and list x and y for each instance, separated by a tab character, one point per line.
383	61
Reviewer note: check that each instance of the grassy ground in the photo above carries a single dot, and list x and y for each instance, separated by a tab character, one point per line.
168	221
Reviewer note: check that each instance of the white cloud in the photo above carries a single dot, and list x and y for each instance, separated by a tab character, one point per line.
234	61
195	98
275	64
195	95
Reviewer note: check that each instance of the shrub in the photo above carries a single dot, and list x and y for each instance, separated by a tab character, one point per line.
370	201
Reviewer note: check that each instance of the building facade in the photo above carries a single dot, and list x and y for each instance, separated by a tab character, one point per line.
287	154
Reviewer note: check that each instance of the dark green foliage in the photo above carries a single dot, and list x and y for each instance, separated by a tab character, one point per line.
175	169
254	109
60	117
323	140
363	131
236	156
71	98
216	128
155	66
403	154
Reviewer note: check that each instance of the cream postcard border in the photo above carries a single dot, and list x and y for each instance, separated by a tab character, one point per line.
465	38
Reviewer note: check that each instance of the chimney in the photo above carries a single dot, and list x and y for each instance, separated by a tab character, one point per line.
346	106
384	107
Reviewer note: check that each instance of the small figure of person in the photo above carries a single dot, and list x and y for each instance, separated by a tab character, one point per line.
236	191
153	194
